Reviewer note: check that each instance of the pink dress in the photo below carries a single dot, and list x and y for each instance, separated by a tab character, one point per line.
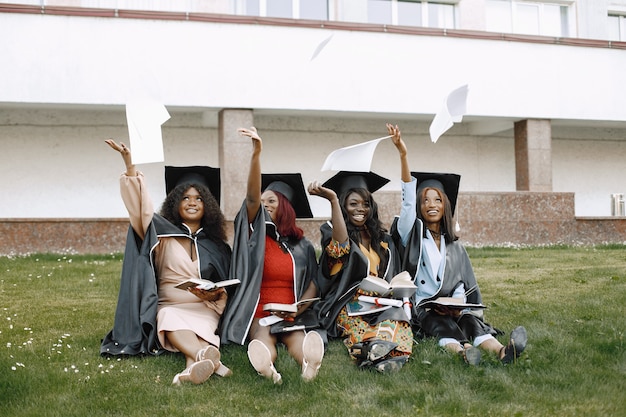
177	309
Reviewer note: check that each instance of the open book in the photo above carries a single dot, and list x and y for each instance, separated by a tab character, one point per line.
400	286
449	302
360	308
287	308
205	284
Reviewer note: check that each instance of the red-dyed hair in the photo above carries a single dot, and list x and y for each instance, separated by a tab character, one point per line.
286	219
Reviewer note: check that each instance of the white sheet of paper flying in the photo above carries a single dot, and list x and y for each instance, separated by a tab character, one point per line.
144	128
352	158
320	47
454	107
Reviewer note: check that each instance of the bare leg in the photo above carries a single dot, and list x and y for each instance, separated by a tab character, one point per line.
457	347
293	342
187	342
493	345
263	334
262	352
470	354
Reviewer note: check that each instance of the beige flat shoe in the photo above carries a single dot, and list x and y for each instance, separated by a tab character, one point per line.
197	373
312	355
212	353
261	359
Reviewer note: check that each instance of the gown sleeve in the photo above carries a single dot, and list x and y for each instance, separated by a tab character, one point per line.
137	201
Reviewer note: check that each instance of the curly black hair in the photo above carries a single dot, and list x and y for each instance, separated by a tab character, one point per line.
373	224
213	221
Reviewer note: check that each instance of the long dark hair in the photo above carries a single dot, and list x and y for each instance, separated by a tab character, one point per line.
286	219
213	221
373	224
447	222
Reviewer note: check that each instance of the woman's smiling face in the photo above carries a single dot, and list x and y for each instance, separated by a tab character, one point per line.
269	199
358	209
191	207
432	206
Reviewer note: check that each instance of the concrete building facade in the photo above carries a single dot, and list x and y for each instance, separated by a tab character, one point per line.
540	150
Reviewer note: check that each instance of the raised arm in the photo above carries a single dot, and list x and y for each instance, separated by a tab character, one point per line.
340	232
253	192
125	152
134	194
407	210
405	172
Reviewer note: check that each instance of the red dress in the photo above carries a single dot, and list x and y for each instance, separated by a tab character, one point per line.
277	283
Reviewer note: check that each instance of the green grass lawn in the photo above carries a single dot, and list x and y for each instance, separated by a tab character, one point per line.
572	300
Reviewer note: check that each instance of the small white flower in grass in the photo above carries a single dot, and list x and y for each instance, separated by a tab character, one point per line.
13	368
8	344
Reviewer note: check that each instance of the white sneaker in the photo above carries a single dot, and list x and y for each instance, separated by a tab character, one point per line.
261	359
197	373
312	354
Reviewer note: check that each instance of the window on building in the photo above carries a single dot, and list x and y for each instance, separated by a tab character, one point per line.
410	13
617	28
400	12
528	17
436	14
379	11
440	15
291	9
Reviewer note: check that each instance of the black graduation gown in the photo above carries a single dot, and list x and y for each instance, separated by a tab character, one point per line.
337	290
134	330
458	270
247	266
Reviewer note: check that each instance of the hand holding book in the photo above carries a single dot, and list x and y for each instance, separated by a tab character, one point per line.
207	290
208	295
286	310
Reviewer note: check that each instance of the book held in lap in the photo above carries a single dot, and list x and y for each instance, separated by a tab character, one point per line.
205	284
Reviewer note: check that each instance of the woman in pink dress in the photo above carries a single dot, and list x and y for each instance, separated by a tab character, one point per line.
187	239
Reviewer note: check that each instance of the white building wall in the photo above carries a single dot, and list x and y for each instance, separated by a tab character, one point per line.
64	81
198	64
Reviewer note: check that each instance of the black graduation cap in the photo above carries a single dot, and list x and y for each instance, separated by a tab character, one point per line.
292	187
348	180
447	183
202	175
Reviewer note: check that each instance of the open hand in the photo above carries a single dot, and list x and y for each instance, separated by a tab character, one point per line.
396	138
121	148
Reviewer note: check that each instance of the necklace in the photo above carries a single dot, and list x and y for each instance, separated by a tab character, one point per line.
436	235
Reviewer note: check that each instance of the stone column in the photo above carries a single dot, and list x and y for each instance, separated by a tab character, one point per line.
234	158
533	155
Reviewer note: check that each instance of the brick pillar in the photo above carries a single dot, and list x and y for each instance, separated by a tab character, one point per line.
533	155
234	157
